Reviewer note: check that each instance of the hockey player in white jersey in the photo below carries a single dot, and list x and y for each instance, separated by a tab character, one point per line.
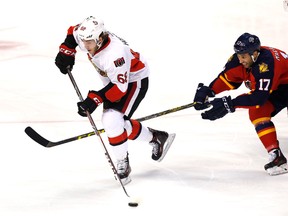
124	74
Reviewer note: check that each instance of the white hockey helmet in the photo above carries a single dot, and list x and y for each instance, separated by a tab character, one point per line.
91	28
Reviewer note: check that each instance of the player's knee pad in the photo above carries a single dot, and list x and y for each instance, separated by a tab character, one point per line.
261	114
113	122
135	130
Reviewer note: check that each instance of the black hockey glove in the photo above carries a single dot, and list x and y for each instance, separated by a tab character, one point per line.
65	58
221	106
92	101
201	97
87	105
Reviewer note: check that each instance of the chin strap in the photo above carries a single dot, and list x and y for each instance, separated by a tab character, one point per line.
255	59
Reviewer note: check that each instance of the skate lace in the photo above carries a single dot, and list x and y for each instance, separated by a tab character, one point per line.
272	155
155	147
122	166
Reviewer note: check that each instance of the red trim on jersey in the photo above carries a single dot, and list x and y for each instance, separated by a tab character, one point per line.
136	129
223	82
118	139
131	93
136	65
103	47
114	94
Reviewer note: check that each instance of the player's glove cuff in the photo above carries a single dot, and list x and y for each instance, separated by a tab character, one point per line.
202	96
221	106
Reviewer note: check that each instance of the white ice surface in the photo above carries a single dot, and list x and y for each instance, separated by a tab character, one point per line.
212	168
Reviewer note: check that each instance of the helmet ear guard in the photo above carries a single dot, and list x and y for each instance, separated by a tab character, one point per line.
247	43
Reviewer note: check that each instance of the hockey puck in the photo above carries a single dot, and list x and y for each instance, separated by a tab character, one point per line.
133	204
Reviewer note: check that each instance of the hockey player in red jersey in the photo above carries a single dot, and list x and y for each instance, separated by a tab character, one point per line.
264	70
124	74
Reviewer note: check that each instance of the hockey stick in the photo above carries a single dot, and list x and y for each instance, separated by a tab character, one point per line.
46	143
109	159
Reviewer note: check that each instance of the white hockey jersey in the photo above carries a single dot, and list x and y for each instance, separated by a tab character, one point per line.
116	62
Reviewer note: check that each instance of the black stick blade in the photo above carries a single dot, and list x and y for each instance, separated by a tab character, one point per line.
37	137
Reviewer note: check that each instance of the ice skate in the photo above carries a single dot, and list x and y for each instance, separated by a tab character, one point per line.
161	143
123	170
277	163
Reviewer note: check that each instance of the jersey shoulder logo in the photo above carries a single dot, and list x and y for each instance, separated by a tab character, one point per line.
119	62
263	68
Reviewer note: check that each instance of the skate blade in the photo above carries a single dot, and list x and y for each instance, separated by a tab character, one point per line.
167	145
126	181
277	170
